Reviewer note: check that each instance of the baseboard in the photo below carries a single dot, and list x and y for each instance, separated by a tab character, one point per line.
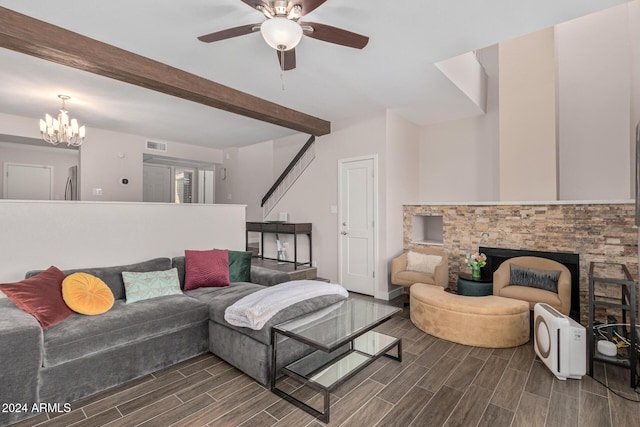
395	293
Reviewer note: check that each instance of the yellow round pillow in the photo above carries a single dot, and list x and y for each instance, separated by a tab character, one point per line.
86	294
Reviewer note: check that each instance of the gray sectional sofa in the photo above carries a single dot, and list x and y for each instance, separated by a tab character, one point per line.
83	355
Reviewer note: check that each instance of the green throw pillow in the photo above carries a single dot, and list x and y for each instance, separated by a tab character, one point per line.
151	284
239	266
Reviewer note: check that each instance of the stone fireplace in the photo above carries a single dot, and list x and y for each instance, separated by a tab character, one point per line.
595	231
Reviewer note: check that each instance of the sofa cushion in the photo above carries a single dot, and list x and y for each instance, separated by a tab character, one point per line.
151	284
259	275
240	266
206	268
41	296
411	277
124	324
218	299
422	263
112	276
534	277
86	294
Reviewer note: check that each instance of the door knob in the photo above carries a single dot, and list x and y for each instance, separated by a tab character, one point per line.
344	233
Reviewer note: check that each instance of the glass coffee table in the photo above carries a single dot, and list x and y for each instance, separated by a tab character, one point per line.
345	344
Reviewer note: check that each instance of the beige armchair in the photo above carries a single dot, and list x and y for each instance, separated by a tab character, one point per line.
560	301
403	277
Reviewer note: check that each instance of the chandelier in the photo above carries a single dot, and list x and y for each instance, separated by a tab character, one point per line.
55	131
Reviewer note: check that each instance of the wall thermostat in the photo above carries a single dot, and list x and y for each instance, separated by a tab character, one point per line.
124	181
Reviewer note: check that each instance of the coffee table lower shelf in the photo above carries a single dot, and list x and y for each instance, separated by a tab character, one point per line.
325	371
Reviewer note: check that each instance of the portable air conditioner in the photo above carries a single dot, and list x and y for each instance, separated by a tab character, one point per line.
560	342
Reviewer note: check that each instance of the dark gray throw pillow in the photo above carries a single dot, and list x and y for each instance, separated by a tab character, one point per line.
534	278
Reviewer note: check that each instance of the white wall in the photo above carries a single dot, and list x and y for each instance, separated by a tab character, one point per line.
403	179
20	126
284	150
594	100
401	186
37	234
249	175
395	143
109	156
60	159
528	118
105	159
459	159
253	169
310	199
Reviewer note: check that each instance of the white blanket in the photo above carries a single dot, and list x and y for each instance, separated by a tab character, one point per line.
254	310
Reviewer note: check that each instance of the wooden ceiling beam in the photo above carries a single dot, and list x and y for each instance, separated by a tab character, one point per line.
30	36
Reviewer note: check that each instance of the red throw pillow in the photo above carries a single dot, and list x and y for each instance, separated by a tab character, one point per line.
40	296
206	269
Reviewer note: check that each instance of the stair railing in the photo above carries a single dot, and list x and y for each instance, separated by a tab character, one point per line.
289	176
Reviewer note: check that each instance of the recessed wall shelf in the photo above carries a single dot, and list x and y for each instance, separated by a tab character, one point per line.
427	230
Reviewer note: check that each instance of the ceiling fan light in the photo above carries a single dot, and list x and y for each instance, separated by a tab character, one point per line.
281	33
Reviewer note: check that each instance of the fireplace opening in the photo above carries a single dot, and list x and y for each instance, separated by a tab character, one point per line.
496	256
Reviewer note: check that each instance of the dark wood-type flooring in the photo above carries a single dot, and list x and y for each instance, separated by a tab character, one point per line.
437	383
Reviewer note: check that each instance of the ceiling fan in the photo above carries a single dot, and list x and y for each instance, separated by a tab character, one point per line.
283	31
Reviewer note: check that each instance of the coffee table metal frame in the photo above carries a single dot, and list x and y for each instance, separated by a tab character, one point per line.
358	345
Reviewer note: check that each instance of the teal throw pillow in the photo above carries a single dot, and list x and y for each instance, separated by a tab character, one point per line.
239	266
151	284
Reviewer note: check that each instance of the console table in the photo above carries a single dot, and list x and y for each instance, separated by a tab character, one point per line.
277	227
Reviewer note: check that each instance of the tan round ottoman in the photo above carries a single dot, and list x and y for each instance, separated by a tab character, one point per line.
488	321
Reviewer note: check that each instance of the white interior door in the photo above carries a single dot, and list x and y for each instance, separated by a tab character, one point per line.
156	183
28	182
357	218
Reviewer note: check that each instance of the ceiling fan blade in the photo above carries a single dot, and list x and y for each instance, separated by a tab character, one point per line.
335	35
228	33
289	59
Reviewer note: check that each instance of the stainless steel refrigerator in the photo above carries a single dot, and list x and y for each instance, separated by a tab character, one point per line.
71	189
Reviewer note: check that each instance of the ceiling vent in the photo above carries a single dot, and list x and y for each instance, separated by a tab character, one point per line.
156	146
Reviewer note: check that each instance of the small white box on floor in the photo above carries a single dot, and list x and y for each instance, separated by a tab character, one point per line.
283	216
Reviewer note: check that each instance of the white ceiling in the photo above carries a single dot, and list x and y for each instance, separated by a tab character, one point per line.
332	82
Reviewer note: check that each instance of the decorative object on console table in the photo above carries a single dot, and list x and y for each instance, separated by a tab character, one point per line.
474	286
476	261
281	255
